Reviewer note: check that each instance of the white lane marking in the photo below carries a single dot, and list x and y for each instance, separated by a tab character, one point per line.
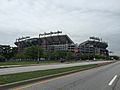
113	79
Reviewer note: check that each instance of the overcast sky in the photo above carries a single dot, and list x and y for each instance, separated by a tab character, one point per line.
80	19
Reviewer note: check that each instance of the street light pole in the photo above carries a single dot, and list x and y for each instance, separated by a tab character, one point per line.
38	49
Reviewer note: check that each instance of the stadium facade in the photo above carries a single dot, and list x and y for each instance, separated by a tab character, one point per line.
49	41
94	46
57	41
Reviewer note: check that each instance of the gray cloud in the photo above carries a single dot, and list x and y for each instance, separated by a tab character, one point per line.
78	18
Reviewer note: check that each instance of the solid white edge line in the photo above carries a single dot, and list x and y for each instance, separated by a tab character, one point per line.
113	79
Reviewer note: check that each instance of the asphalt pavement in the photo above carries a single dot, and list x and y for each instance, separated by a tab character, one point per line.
43	67
101	78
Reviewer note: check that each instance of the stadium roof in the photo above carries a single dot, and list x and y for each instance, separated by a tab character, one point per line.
49	40
95	44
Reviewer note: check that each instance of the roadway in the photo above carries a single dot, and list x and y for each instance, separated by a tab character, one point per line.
43	67
101	78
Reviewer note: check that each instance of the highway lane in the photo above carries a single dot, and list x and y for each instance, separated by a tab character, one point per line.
101	78
43	67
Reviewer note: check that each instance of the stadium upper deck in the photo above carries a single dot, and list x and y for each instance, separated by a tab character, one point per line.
94	46
49	40
97	44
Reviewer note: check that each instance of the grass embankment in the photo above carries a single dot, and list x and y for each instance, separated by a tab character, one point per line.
26	62
10	78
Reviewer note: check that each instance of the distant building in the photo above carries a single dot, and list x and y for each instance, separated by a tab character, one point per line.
6	52
94	46
5	49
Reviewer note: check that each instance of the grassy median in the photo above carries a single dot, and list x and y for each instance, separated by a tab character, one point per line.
10	78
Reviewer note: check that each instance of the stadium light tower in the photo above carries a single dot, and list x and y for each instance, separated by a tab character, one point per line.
95	38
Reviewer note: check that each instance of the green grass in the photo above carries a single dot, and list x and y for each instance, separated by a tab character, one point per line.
26	62
10	78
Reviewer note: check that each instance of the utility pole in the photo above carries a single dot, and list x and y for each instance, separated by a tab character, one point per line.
38	49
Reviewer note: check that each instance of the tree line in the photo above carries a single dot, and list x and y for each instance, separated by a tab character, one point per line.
35	53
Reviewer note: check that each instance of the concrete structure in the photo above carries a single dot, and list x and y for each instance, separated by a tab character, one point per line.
49	43
94	47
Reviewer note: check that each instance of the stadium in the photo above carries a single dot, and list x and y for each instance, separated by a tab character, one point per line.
55	41
94	46
48	41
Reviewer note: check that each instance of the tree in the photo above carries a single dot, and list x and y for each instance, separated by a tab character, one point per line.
55	55
114	57
69	56
33	52
20	56
60	54
2	58
9	52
